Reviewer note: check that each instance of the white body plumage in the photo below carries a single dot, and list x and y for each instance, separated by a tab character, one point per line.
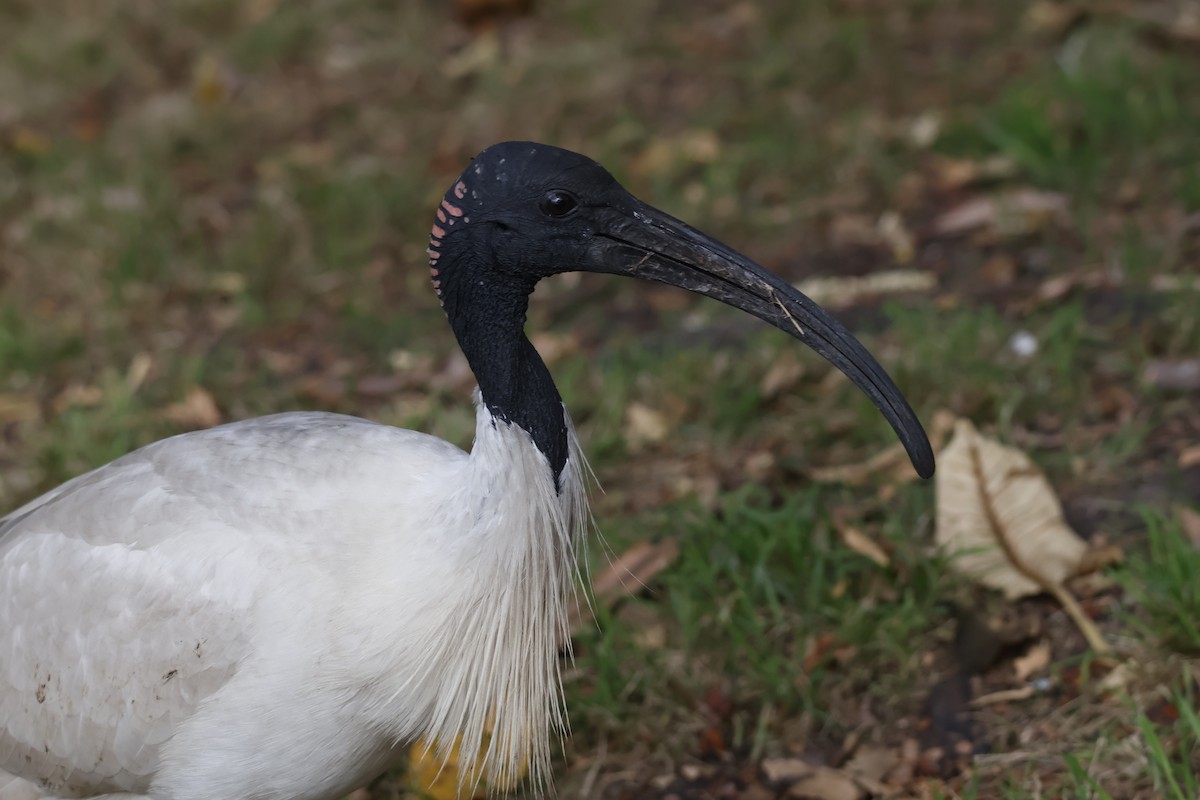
282	603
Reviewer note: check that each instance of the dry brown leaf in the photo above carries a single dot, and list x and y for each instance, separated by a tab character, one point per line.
197	410
139	369
28	142
999	270
481	54
78	395
553	347
18	408
785	770
994	507
1181	375
1035	660
664	154
254	12
864	545
644	425
852	229
873	761
827	784
626	576
892	461
842	292
1098	558
645	622
1001	523
925	128
1118	679
1189	520
212	82
1004	696
1189	456
950	174
898	237
782	375
1175	283
1048	18
1059	286
1013	212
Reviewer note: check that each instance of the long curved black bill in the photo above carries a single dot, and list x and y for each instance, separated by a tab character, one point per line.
643	242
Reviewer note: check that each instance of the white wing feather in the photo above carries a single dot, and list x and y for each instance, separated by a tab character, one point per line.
132	593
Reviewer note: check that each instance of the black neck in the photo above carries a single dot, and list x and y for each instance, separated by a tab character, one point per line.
488	318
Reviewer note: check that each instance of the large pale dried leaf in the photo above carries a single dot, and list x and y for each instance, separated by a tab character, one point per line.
999	519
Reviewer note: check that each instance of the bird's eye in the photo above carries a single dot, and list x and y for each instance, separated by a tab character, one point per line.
558	203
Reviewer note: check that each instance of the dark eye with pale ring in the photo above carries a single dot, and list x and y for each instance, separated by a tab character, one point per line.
558	203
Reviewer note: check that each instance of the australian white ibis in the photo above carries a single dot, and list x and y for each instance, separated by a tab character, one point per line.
273	609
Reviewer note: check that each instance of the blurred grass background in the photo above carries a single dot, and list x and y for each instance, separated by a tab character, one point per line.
211	210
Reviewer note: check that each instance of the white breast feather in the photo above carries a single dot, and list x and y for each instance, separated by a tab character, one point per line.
491	675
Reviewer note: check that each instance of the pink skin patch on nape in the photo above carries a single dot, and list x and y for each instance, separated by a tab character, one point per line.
447	214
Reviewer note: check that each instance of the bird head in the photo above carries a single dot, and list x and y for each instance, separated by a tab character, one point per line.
522	211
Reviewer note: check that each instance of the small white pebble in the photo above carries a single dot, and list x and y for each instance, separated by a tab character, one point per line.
1023	343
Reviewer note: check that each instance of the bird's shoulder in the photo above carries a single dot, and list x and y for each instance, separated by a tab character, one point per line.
280	464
